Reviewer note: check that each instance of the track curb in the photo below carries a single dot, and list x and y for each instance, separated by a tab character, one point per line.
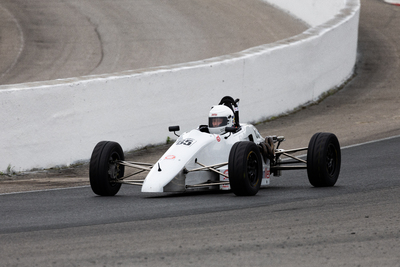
393	2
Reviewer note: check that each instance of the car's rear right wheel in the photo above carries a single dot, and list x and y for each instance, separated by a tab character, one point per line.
323	160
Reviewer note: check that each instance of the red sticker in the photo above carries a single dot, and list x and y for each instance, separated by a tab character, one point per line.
218	138
170	157
267	173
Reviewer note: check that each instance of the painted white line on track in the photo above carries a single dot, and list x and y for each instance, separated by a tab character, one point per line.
371	142
44	190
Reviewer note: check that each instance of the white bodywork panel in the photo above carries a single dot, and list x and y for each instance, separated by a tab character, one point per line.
170	172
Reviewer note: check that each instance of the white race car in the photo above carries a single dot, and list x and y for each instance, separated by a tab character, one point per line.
223	155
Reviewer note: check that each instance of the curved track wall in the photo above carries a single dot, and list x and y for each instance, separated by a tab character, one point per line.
59	122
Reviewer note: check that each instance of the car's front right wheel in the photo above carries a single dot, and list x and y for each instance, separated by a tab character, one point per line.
245	168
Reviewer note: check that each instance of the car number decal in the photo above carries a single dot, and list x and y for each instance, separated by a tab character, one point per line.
186	142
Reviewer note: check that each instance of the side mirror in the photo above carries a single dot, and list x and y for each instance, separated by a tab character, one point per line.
174	129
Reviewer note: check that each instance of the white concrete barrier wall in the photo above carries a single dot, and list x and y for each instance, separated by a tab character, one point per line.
59	122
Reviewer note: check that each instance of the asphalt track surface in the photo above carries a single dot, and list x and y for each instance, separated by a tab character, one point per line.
288	224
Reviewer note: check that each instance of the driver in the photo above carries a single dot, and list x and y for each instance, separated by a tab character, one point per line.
217	121
220	116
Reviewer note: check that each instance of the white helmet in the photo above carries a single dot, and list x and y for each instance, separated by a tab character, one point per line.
220	117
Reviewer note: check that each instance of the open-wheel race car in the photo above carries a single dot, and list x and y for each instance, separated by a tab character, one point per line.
223	155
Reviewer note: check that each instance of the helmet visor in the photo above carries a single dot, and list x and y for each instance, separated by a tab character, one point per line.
217	122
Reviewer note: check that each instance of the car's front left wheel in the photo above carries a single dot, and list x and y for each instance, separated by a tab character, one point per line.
105	170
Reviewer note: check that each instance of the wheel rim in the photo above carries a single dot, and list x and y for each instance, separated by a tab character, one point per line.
331	159
113	168
252	168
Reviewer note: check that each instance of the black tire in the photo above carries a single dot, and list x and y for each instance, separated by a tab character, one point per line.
104	170
245	168
323	160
